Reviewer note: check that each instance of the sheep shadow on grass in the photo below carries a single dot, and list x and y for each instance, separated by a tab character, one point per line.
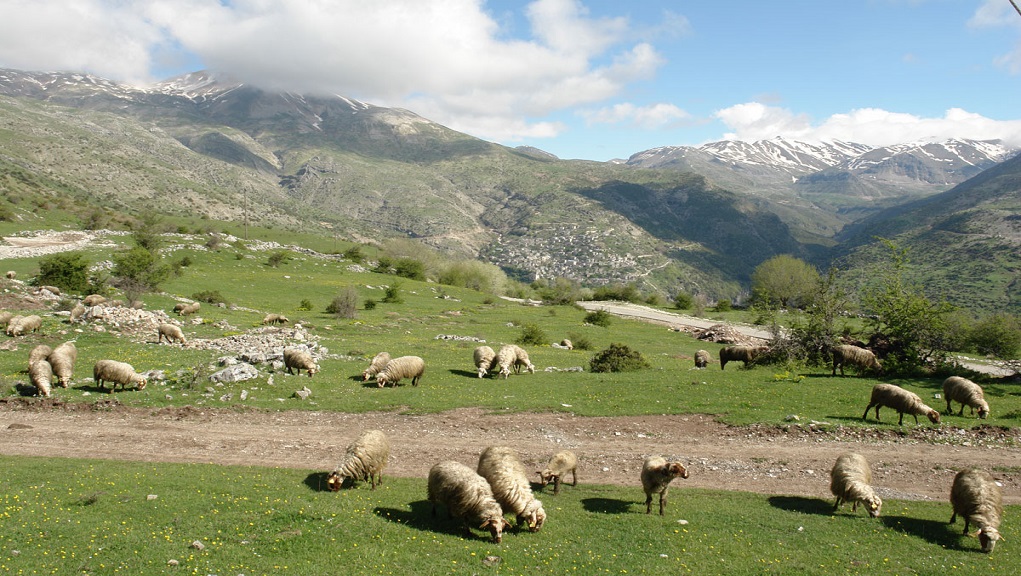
933	531
420	517
465	373
801	504
607	505
317	481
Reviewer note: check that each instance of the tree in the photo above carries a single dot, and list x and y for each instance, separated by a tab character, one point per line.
68	271
998	334
784	281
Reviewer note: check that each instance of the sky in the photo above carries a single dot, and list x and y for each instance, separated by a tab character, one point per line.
586	79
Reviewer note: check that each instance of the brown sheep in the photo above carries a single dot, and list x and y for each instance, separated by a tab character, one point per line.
657	474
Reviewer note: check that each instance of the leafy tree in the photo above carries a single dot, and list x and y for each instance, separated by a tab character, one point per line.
558	291
140	267
618	358
277	258
599	318
622	292
998	334
409	268
785	281
68	271
354	254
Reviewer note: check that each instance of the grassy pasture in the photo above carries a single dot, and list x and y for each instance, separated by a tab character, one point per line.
68	516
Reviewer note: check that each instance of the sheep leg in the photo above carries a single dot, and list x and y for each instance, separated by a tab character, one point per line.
961	413
836	505
953	518
414	381
556	485
648	503
949	409
662	501
574	477
900	421
869	407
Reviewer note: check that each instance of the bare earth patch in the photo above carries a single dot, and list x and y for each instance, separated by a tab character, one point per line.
786	460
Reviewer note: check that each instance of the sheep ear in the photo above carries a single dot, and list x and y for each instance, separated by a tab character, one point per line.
975	533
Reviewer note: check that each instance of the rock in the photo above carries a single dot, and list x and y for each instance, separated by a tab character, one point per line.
198	545
173	563
236	373
303	394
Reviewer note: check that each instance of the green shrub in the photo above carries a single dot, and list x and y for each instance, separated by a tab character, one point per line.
683	301
724	305
68	271
599	318
209	297
998	335
579	341
393	294
354	254
345	304
618	358
369	304
277	258
532	335
306	305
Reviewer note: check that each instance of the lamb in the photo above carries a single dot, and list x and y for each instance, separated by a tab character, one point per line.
94	300
467	496
900	400
483	357
850	479
558	466
172	333
399	368
747	354
301	360
657	474
506	475
20	325
512	356
967	393
521	361
116	373
846	354
62	359
275	319
41	375
702	359
379	361
40	352
190	309
364	459
976	496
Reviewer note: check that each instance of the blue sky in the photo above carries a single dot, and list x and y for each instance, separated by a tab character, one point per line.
590	79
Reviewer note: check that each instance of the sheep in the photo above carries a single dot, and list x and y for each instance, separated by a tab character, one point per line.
967	393
14	324
116	373
567	344
900	400
190	309
483	357
172	333
746	354
76	312
62	359
558	466
20	325
301	360
180	306
845	354
521	361
512	356
402	367
364	459
702	358
5	319
379	361
506	475
657	474
275	319
51	289
11	274
467	496
41	375
40	352
94	300
850	479
976	496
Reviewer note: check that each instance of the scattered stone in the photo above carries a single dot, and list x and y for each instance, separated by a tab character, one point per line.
151	497
303	394
236	373
490	561
198	545
173	563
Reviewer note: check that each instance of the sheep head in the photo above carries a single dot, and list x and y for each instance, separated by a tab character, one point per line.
988	537
334	481
676	469
535	515
983	410
496	526
873	505
546	476
933	416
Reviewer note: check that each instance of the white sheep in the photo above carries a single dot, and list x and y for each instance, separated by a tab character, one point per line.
567	344
513	356
850	480
967	393
657	474
900	400
746	354
41	376
557	468
5	319
14	324
467	496
11	274
379	361
483	357
116	373
94	300
399	368
275	319
39	352
500	466
171	332
847	354
190	309
976	496
364	459
702	358
300	360
76	312
62	359
20	325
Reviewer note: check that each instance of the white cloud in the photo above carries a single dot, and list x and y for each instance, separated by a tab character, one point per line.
755	121
996	13
658	115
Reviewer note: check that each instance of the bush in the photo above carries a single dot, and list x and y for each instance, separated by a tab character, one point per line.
683	301
599	318
369	304
68	271
393	294
354	254
622	292
618	358
579	342
998	335
533	335
209	297
724	306
306	305
345	304
277	258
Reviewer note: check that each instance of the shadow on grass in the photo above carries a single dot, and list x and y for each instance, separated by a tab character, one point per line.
420	517
606	505
802	505
317	481
464	373
933	531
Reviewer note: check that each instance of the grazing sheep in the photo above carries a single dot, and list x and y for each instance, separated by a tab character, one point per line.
94	300
513	356
300	360
51	289
275	319
40	352
379	361
976	496
76	312
5	319
172	333
190	309
364	459
558	466
41	376
506	475
967	393
850	480
11	274
20	325
746	354
702	358
657	474
567	344
846	354
521	361
116	373
62	359
180	306
14	324
900	400
483	357
467	496
399	368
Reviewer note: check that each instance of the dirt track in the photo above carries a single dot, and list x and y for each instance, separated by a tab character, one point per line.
762	459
